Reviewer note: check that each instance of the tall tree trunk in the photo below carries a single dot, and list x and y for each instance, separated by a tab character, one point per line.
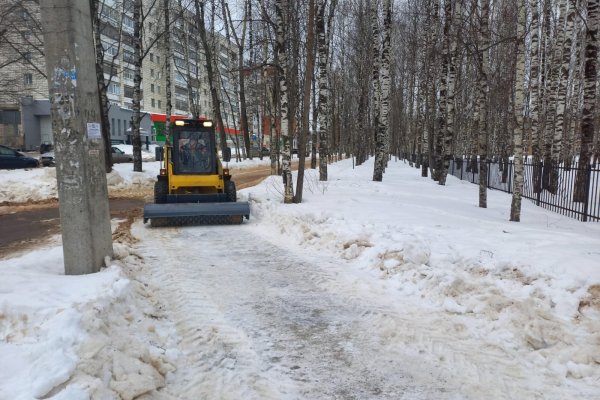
323	90
383	129
103	98
308	79
240	44
431	130
167	60
443	94
558	96
450	112
535	95
315	118
484	63
136	140
208	54
376	60
281	9
589	101
565	67
515	208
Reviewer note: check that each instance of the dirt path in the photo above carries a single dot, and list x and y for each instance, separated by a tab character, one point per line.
25	225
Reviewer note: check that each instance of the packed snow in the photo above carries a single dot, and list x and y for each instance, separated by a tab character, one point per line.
403	282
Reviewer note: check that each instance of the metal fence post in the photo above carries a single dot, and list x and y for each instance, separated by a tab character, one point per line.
588	173
510	174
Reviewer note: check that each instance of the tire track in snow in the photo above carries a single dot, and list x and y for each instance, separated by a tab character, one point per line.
256	323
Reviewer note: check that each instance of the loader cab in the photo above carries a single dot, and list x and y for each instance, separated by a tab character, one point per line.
194	148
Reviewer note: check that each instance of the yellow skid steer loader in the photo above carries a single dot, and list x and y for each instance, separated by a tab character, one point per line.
193	187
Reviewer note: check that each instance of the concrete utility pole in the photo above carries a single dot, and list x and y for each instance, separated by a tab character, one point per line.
80	170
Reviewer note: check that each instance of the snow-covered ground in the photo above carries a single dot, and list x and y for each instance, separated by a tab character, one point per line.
400	289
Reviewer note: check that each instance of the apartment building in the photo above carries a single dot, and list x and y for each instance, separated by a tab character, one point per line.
24	105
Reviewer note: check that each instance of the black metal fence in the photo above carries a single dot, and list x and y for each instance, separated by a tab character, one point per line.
554	188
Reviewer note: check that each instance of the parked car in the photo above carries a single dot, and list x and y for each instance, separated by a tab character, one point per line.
118	156
12	159
47	159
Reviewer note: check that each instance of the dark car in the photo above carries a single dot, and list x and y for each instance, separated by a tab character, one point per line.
12	159
47	159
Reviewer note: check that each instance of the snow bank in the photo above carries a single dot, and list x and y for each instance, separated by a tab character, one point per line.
78	337
525	288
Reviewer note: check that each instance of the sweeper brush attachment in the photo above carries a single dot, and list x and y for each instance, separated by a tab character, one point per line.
184	214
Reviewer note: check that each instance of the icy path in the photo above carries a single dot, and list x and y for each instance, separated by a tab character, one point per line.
256	323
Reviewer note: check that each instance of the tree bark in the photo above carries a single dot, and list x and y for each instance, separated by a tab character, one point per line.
323	90
515	208
281	7
589	101
208	54
136	140
308	79
484	62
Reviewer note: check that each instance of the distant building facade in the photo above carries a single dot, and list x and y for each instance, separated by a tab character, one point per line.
24	107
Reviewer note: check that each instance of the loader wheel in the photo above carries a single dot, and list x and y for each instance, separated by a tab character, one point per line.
230	191
161	189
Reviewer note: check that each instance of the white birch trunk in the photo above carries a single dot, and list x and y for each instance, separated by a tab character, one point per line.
323	90
483	105
565	68
589	100
450	111
515	209
281	7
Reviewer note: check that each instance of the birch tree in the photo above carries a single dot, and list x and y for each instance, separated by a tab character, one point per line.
483	104
102	84
515	208
280	10
308	79
240	42
382	142
141	10
451	56
167	61
442	117
589	100
212	81
323	89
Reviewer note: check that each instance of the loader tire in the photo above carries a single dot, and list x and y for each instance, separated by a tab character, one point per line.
161	190
230	192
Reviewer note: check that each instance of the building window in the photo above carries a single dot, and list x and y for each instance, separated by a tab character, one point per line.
128	74
128	22
109	49
119	126
28	79
152	72
158	59
128	56
179	78
27	55
129	92
113	88
152	57
158	89
159	104
152	102
152	87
